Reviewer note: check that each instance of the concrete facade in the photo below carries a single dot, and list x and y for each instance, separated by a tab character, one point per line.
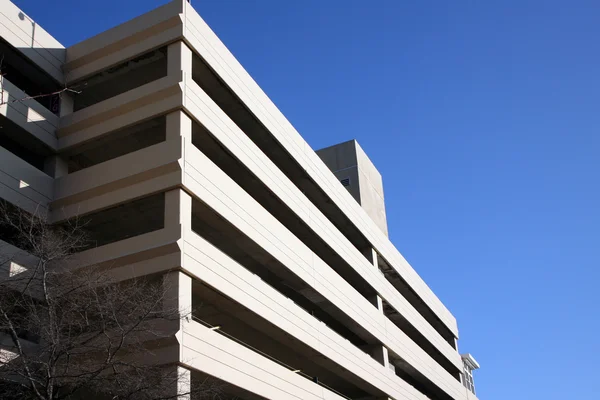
201	178
353	168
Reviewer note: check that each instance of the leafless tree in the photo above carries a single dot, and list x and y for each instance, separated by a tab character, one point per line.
5	98
68	333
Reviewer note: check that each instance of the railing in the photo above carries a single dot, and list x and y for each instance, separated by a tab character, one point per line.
294	370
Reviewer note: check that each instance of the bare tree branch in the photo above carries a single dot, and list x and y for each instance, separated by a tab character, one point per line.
77	332
8	100
23	99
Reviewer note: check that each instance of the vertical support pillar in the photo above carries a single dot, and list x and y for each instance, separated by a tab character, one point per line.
178	295
374	258
184	383
371	255
178	303
178	204
379	353
178	209
55	166
66	104
178	216
178	383
179	59
377	301
178	125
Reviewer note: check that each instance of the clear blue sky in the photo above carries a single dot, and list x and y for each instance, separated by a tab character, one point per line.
483	118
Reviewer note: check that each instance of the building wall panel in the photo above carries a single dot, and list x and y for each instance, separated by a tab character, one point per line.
218	191
224	129
205	42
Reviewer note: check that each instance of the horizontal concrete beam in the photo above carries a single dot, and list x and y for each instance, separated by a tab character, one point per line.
203	40
29	114
212	353
201	107
23	184
212	186
209	264
148	94
31	40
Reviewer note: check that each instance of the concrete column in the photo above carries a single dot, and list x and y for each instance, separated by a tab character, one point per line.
184	383
56	166
66	104
379	353
178	381
178	294
179	59
179	125
178	210
371	255
377	301
178	204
